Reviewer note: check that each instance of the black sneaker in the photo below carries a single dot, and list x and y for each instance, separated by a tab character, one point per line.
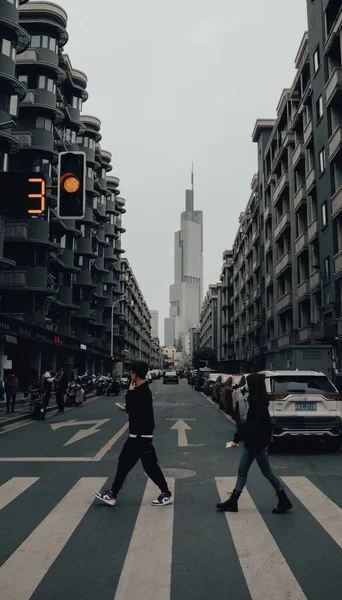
163	500
107	497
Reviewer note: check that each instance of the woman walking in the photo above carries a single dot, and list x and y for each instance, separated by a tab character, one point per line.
256	433
11	389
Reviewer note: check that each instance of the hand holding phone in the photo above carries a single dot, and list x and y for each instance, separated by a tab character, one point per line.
231	445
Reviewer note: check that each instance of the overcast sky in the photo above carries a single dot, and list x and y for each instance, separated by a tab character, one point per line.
176	82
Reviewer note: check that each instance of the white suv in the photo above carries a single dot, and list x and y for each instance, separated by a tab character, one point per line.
302	404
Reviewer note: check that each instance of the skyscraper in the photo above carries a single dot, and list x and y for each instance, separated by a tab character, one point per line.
186	291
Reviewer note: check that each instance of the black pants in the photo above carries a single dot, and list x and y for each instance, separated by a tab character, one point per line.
47	396
60	400
10	397
133	450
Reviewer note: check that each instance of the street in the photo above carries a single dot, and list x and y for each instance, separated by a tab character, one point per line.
58	542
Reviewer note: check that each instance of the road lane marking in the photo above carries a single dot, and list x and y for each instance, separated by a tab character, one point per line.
265	569
110	443
147	569
13	488
82	433
21	574
182	428
325	511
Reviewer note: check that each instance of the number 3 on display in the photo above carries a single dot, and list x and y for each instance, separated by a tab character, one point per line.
41	196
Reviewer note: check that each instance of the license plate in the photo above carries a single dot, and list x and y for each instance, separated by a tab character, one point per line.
306	405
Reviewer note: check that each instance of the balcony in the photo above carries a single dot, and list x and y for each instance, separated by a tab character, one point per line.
336	202
255	264
282	224
267	212
284	340
315	280
310	180
268	245
301	242
280	187
16	231
304	334
256	292
284	303
12	279
303	289
338	264
312	230
297	154
283	263
255	236
335	143
268	279
333	87
308	133
299	197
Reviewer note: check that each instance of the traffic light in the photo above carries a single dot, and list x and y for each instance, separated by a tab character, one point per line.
71	190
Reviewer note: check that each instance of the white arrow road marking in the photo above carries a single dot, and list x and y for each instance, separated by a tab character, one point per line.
182	427
83	433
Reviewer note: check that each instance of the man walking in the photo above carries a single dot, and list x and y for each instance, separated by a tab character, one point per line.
139	444
11	389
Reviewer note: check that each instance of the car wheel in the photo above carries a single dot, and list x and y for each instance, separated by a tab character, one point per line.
333	444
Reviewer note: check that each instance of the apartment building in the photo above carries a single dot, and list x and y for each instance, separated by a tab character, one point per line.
287	264
59	280
210	319
226	344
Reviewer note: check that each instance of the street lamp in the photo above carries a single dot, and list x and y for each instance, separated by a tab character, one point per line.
112	325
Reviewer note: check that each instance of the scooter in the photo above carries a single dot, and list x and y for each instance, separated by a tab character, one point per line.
36	403
114	387
74	394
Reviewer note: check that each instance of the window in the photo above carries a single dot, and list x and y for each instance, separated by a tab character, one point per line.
316	62
50	85
44	41
14	2
319	108
322	162
324	214
326	269
44	123
23	79
13	107
77	103
46	83
6	47
89	172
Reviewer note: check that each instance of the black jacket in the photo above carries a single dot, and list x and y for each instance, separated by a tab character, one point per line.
256	432
140	410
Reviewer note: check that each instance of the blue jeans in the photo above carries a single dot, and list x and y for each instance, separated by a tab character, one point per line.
261	456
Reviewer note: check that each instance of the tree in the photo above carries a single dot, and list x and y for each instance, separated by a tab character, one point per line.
202	356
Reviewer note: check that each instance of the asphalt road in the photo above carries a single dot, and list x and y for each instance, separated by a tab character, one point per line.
59	543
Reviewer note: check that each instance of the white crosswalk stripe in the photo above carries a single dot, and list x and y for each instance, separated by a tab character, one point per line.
266	571
24	570
326	512
13	488
147	565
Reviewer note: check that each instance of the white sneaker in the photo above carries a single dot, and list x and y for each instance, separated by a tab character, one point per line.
107	497
163	499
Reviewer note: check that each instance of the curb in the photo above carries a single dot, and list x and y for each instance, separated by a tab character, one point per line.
29	415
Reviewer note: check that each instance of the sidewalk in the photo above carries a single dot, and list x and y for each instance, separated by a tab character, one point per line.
22	410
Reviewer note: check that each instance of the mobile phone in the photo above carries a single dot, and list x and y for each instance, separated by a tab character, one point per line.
120	405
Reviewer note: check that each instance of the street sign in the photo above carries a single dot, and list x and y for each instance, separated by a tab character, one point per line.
82	433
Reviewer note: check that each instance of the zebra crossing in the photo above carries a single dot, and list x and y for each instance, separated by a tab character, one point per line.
147	569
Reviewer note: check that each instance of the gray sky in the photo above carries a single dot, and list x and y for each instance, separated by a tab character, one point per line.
176	82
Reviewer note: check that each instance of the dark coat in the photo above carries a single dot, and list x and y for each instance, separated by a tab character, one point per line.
256	432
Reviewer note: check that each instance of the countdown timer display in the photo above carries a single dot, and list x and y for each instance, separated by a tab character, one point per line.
22	194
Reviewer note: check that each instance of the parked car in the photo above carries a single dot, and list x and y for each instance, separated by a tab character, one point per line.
209	384
302	404
202	376
240	400
149	377
226	393
220	380
170	377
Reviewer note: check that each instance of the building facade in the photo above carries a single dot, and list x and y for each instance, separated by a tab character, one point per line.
210	319
285	290
186	291
59	280
194	340
154	323
226	345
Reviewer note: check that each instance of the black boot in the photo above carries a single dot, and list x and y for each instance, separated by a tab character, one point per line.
284	504
230	505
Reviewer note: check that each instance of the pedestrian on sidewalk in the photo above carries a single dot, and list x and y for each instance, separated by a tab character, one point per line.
61	384
48	380
256	434
11	389
139	444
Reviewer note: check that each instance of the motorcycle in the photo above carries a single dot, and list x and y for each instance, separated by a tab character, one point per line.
36	403
114	387
101	385
75	393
